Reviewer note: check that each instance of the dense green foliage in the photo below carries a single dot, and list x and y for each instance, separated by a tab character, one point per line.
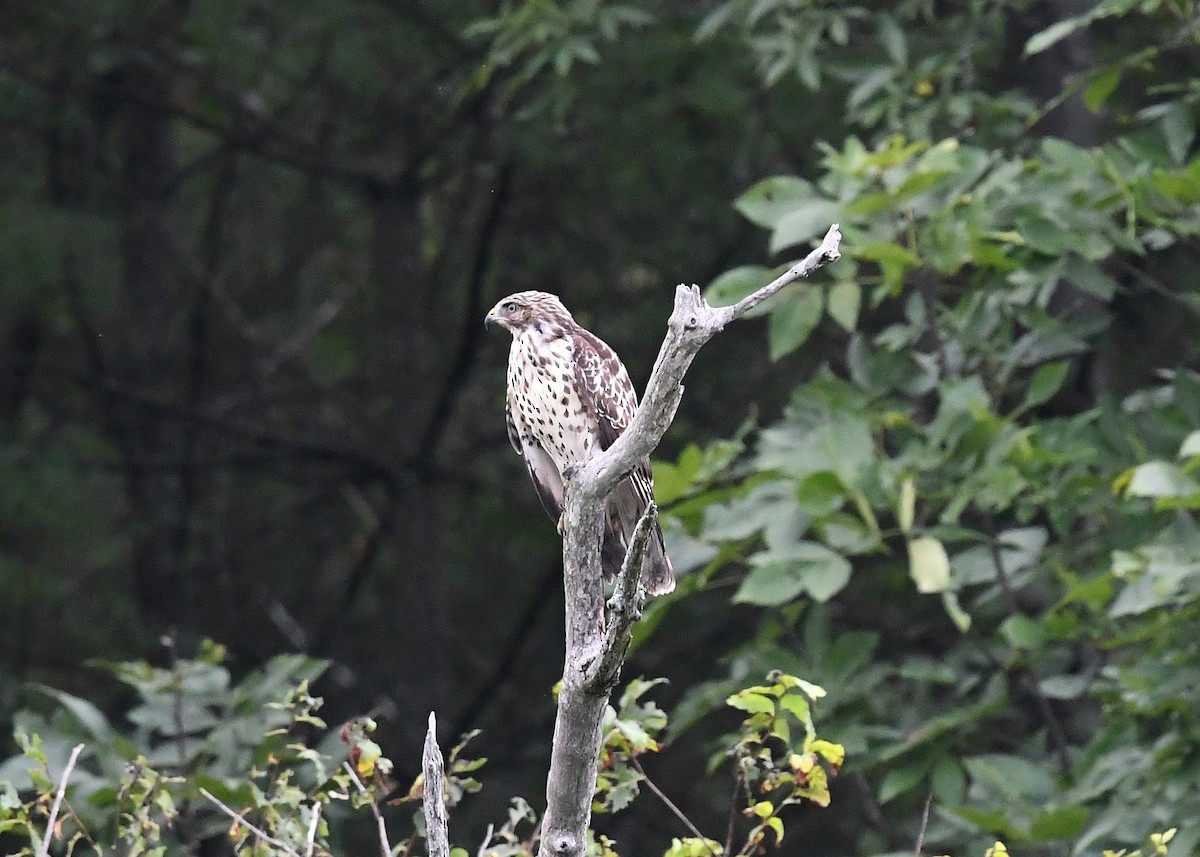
246	249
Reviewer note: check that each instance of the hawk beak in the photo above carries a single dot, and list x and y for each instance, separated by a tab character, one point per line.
489	319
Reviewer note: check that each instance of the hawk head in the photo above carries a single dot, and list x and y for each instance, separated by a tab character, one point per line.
524	310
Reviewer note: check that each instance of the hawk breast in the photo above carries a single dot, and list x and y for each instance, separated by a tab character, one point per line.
549	409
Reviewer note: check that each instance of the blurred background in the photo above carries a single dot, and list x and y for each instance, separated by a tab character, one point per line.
245	392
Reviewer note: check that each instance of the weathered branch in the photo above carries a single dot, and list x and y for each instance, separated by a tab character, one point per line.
624	608
434	801
692	323
572	779
44	850
314	821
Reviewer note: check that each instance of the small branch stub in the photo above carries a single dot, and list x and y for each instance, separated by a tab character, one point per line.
434	800
625	608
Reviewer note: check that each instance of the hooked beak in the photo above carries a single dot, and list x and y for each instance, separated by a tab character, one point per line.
489	319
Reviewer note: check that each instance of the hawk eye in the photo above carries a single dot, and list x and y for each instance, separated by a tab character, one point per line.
510	306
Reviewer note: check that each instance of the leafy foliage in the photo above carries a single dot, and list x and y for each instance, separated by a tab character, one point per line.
282	790
251	763
985	444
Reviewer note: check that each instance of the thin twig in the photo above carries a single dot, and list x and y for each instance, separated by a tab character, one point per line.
733	798
827	251
487	841
311	841
434	801
384	847
924	823
671	806
44	851
241	819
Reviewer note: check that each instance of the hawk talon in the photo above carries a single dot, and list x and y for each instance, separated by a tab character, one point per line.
561	526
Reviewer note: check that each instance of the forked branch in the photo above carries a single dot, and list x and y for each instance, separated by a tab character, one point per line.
590	648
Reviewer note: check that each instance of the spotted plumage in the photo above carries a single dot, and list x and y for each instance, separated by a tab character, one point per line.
567	395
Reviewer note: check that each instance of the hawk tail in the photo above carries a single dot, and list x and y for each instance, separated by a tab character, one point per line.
658	576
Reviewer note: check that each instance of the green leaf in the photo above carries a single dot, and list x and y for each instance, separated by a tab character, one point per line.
1054	33
908	504
960	617
1178	126
1161	479
949	781
902	780
1065	686
783	574
776	824
1190	445
793	320
892	39
805	221
1089	277
89	717
753	703
1011	776
928	564
1064	823
1101	86
770	200
732	286
770	586
1023	632
1046	381
845	299
797	705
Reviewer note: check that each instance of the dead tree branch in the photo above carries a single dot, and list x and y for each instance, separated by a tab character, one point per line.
44	850
624	609
434	801
572	778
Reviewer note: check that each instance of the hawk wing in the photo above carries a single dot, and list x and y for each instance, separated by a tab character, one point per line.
541	467
608	394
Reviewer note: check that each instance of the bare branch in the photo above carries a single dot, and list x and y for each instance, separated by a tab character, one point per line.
693	322
924	824
829	250
624	607
310	841
661	795
385	848
44	850
571	782
434	800
241	819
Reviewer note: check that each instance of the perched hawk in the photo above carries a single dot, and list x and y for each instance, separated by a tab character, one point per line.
567	395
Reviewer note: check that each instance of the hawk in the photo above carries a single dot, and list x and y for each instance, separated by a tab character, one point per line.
569	394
